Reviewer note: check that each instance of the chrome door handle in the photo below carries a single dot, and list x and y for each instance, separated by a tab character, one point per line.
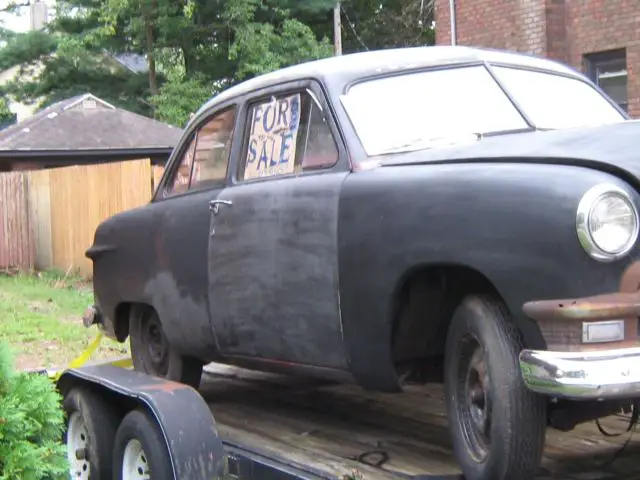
214	205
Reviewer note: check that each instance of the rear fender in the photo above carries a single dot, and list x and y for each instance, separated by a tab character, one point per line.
185	419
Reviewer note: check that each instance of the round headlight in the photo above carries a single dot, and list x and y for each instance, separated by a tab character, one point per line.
607	222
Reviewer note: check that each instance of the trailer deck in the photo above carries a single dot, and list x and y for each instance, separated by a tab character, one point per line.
328	428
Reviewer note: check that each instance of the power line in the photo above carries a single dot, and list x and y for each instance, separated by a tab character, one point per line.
353	29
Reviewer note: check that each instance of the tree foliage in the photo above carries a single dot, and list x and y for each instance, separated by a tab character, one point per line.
193	48
180	97
263	46
6	116
31	425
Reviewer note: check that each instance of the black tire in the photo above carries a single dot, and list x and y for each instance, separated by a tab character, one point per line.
141	426
100	421
517	417
153	354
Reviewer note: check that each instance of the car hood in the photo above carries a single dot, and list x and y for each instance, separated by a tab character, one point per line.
613	147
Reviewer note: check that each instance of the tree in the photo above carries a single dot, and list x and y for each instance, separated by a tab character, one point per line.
70	57
371	24
31	425
55	66
179	97
6	116
193	48
264	46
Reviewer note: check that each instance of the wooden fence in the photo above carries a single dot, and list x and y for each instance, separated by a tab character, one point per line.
61	208
16	238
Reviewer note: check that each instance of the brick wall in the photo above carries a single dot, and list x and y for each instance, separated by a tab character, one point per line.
564	30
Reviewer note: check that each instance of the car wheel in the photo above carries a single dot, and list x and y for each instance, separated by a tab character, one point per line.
91	430
140	451
497	425
153	354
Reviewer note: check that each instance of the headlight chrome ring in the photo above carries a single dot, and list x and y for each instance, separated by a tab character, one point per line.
586	207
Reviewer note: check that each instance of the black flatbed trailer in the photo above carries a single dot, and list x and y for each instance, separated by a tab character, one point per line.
250	425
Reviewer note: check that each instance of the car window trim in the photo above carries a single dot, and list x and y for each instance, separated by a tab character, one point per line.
191	134
578	77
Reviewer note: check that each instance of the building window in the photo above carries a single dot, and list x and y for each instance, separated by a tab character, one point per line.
609	71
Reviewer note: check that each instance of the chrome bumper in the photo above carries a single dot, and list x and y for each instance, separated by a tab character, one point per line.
608	374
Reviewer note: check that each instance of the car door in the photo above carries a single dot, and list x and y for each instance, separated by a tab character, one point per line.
196	175
273	252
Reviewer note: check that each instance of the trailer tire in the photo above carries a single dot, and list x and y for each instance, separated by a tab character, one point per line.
140	449
497	425
91	427
152	353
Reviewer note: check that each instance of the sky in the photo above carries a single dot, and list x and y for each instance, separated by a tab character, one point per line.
18	23
14	22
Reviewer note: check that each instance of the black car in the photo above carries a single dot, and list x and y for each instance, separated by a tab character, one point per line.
398	216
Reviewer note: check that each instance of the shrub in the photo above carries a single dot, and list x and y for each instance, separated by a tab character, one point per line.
31	425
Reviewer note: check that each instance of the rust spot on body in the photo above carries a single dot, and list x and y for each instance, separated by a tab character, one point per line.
630	281
599	307
165	386
623	305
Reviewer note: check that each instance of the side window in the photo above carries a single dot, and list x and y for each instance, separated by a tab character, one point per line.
321	150
183	173
287	134
212	150
204	162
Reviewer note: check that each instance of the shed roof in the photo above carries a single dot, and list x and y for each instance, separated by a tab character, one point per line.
85	122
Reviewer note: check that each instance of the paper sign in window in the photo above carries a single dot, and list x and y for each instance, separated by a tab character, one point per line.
272	142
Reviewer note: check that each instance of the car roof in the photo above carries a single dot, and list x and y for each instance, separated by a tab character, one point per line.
354	66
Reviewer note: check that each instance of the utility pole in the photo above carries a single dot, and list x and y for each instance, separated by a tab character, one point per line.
337	29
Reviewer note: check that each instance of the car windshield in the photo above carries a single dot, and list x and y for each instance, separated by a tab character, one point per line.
413	111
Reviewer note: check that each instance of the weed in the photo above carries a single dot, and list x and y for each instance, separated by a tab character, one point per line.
41	318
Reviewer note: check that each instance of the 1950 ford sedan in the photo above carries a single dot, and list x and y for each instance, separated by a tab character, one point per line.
427	214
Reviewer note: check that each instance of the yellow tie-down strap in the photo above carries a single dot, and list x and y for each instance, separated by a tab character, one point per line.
84	357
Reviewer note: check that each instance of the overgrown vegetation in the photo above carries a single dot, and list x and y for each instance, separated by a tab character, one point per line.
41	318
31	425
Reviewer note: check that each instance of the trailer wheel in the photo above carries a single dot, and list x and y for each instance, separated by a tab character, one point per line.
153	354
139	450
497	424
91	429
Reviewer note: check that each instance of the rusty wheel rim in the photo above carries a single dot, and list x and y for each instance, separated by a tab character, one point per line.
474	399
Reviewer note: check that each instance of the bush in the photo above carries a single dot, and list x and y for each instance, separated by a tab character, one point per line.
31	425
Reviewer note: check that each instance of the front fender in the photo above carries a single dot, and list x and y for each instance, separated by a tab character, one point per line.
513	223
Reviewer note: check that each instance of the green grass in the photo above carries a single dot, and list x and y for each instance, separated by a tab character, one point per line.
41	319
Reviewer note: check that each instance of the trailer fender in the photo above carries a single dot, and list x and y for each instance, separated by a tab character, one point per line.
187	424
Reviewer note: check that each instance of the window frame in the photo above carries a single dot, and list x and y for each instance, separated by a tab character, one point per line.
595	60
315	90
177	156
